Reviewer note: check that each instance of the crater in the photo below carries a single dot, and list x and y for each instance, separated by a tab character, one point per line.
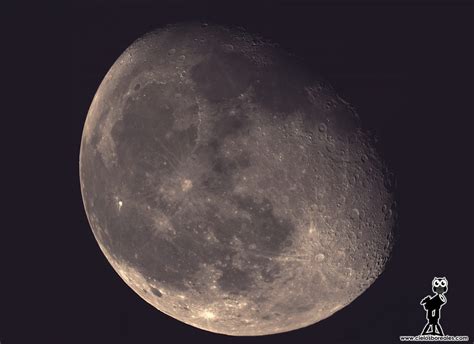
156	292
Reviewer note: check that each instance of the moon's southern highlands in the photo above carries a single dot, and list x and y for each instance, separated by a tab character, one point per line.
230	188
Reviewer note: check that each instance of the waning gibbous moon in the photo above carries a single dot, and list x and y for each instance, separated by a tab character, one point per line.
228	187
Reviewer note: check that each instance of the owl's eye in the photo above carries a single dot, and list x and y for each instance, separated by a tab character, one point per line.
442	283
436	283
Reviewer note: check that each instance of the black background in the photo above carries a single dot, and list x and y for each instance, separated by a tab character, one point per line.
407	68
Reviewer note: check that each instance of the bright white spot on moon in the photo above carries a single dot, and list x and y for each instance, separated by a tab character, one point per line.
336	308
320	257
312	228
208	315
120	204
186	185
242	304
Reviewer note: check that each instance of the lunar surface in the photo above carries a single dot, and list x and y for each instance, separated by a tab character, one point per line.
230	188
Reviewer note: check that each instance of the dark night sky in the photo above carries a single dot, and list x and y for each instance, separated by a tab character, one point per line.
406	67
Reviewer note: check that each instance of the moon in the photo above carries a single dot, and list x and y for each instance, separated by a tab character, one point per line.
231	188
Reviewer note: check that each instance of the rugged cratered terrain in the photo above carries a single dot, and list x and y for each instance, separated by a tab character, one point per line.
228	187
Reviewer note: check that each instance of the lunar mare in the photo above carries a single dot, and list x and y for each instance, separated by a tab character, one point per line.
228	187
